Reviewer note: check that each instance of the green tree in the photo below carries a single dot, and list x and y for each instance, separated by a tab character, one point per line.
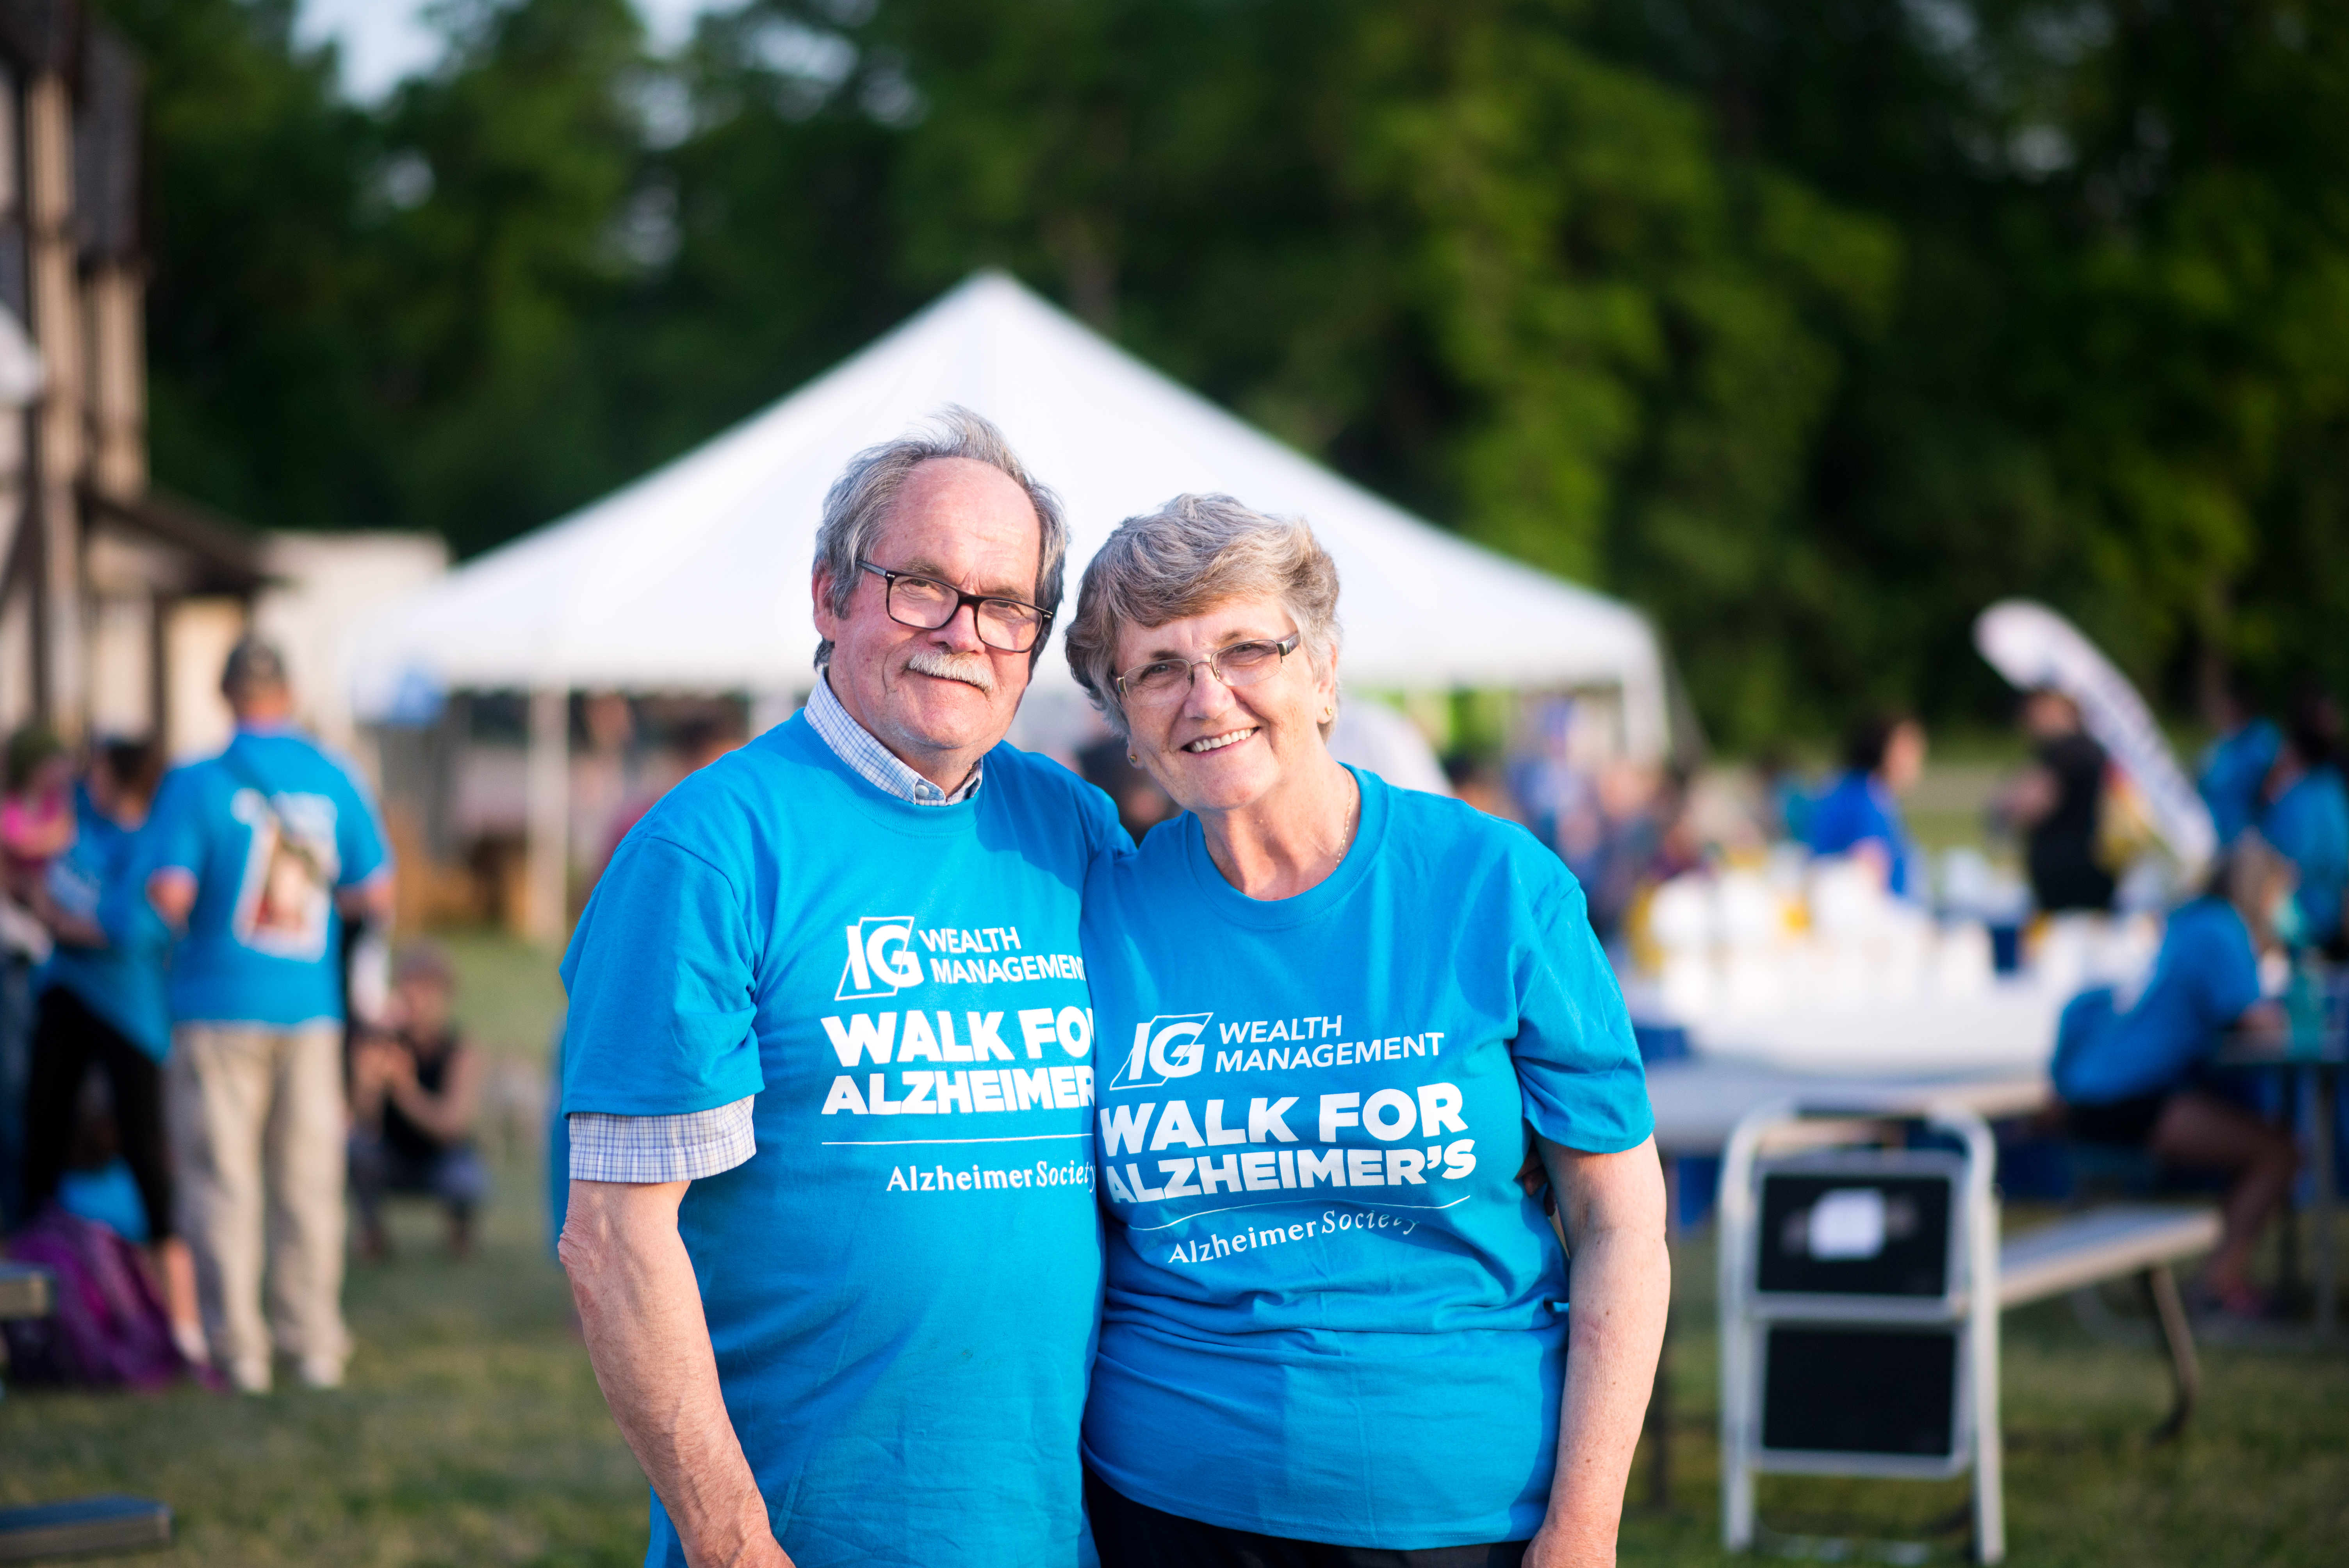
258	382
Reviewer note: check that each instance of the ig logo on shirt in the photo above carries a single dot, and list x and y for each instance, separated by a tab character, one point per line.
1169	1046
881	958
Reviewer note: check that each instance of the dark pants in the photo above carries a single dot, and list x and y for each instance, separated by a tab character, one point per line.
69	1040
453	1174
1131	1534
15	1066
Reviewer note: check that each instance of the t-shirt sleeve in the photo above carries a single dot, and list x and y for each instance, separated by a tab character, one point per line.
2223	958
173	836
359	834
662	977
1105	836
1577	1064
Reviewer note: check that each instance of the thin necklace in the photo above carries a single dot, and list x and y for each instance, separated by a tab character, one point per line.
1346	837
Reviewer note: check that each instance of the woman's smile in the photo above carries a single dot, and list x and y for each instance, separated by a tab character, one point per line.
1217	742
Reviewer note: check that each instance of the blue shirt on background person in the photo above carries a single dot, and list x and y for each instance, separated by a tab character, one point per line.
2204	978
271	830
900	1266
2309	823
124	982
1860	810
2234	768
1332	1312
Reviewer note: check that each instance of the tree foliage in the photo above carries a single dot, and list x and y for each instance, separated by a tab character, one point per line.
1811	325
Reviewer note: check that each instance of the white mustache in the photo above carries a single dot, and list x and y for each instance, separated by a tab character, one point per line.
971	669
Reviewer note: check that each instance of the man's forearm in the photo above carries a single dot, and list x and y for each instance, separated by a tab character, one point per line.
641	1309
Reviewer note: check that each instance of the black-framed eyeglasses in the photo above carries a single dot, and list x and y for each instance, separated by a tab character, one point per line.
1006	625
1162	681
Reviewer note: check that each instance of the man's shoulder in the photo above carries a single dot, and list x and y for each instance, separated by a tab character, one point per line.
1029	778
284	759
766	788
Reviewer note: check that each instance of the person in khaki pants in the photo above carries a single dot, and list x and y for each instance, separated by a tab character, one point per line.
255	857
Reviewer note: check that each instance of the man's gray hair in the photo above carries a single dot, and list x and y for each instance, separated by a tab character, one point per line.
1192	553
858	505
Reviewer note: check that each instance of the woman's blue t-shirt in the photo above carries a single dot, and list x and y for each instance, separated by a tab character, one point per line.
1333	1313
2206	976
902	1283
124	982
1860	810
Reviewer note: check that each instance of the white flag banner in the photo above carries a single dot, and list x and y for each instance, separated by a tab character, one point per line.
2033	647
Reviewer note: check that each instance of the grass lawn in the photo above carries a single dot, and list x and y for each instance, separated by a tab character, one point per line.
472	1430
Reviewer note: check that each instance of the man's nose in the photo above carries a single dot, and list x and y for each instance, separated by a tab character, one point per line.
960	635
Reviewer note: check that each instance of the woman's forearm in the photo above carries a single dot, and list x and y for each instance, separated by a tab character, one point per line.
1621	1284
1613	1206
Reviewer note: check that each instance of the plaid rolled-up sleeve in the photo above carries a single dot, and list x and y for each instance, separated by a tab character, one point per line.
656	1149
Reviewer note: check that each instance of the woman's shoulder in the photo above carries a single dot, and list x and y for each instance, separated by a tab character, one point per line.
1450	839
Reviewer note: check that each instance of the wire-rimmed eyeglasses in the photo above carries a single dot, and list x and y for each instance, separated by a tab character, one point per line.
1006	625
1163	681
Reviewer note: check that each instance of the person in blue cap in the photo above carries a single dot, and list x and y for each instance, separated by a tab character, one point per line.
828	1072
1357	1043
256	858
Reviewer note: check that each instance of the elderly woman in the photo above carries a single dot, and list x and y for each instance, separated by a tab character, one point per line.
1347	1030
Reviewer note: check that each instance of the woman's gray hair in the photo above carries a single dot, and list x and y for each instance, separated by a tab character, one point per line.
1192	553
858	505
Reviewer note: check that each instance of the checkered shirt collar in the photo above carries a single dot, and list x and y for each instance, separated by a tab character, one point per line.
873	762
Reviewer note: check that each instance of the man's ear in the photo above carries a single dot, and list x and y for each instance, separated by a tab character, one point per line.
827	625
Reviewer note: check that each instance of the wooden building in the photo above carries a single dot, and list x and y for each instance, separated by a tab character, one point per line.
111	598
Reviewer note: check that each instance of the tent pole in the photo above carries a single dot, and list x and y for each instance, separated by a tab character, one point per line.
546	892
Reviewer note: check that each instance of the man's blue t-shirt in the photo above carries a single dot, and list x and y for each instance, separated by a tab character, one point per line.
270	828
2309	825
902	1283
123	981
2233	770
1333	1313
1860	810
2206	975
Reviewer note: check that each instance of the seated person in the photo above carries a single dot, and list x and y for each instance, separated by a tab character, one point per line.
2125	1072
1860	815
414	1093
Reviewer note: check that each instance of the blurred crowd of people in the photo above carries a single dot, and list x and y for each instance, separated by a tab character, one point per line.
2252	938
200	1051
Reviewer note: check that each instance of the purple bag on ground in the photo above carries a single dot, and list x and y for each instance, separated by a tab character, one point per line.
108	1329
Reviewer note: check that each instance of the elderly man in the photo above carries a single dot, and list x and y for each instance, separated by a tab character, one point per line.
254	857
833	1332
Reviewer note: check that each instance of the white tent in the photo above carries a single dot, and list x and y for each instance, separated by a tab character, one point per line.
695	576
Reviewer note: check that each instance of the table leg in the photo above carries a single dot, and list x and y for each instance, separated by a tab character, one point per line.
2321	1090
2288	1233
